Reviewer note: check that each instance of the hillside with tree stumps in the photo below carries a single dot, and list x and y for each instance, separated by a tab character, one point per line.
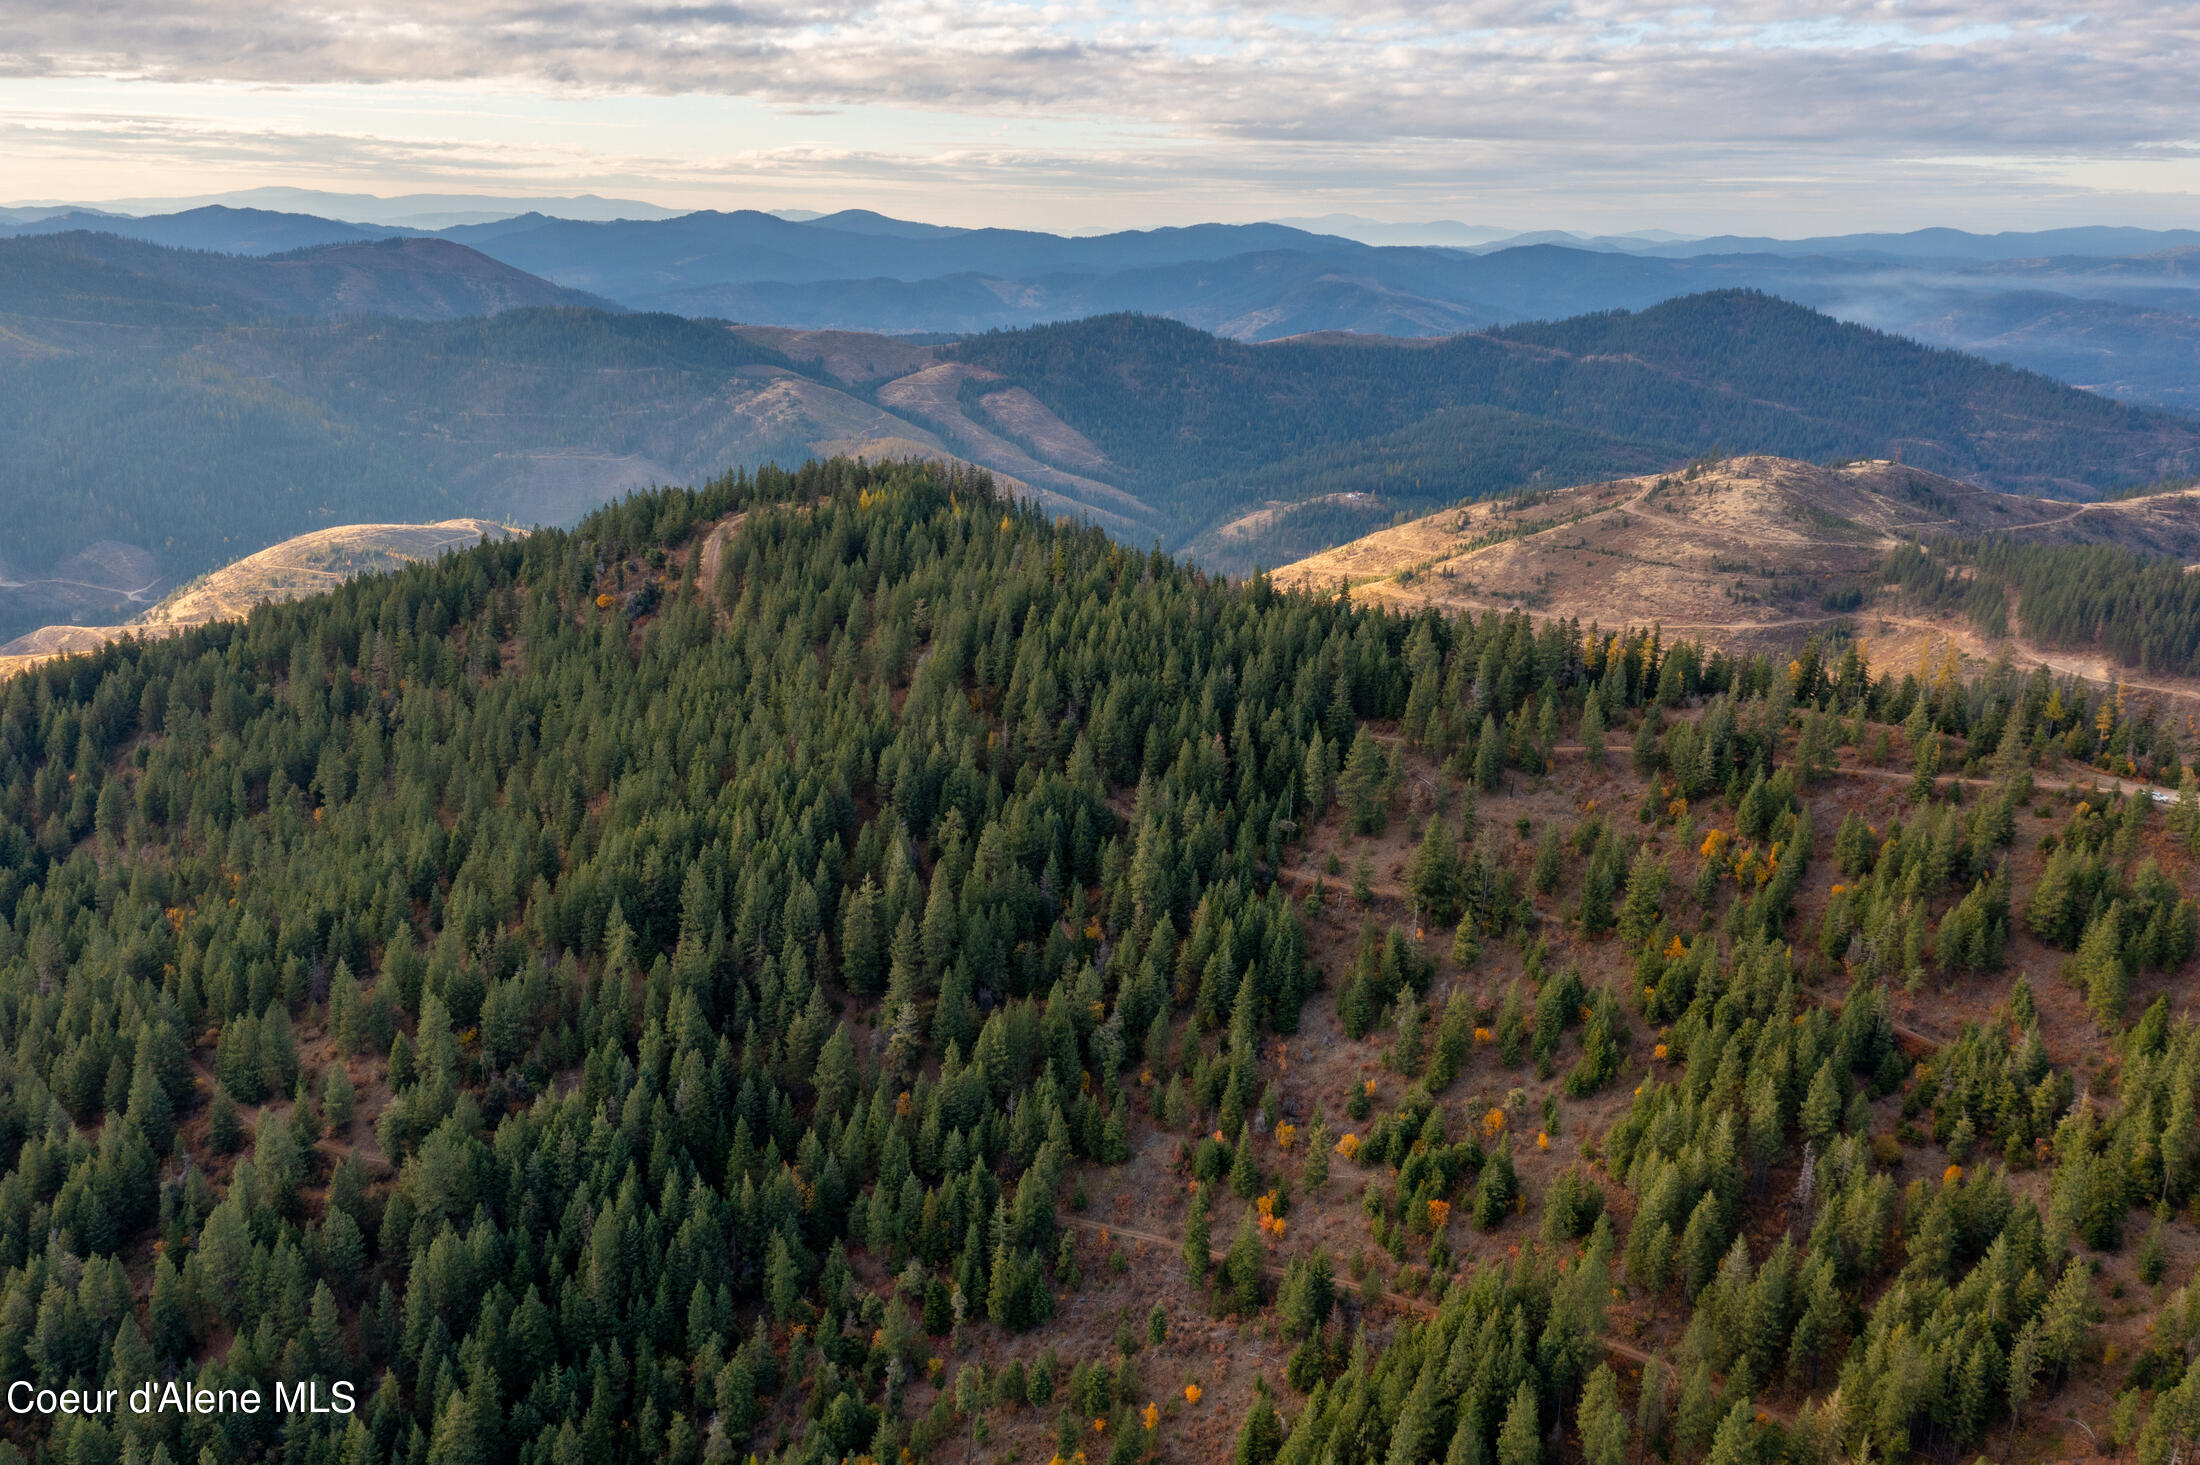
944	982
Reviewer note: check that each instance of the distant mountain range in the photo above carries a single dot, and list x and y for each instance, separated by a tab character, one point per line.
411	210
2114	310
413	278
172	409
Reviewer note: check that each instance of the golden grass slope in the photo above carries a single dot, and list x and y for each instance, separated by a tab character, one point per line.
1737	553
290	570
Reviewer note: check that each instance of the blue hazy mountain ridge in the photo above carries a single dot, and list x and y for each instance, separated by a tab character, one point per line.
2116	310
631	260
210	404
216	227
2092	239
1724	367
1261	282
97	275
418	210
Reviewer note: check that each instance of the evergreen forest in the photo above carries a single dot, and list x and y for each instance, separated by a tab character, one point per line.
680	989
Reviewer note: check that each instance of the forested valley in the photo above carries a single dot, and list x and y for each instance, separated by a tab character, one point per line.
842	966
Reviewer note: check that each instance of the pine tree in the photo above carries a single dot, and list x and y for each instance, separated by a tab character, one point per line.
1433	875
1497	1189
1361	785
1646	883
1454	1038
1405	1052
1698	1416
1649	750
1466	944
782	1279
1512	1026
1650	1404
1314	776
1927	768
1315	1174
1241	1268
1260	1438
1489	755
1852	845
1703	1245
862	945
1821	1110
2025	1360
1735	1443
1196	1238
1244	1174
1592	731
1603	1424
224	1125
1549	864
1520	1438
2099	967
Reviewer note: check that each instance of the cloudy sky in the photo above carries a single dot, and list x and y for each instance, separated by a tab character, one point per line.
1747	115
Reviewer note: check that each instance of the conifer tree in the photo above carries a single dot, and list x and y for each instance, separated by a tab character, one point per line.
1241	1268
1603	1424
1405	1051
1592	731
2099	967
1361	785
1315	1173
1196	1239
1520	1437
1434	876
1497	1189
1489	754
1260	1437
1466	944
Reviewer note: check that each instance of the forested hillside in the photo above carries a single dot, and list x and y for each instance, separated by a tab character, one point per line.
103	278
2138	610
176	410
210	442
1595	396
743	975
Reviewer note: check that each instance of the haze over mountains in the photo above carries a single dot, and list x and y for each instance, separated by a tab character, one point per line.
180	408
196	385
2116	310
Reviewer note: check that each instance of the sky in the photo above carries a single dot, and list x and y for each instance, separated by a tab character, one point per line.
1595	115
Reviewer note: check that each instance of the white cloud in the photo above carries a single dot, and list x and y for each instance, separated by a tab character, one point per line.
1593	103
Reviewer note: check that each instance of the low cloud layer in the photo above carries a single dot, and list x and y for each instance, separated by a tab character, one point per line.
1740	101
